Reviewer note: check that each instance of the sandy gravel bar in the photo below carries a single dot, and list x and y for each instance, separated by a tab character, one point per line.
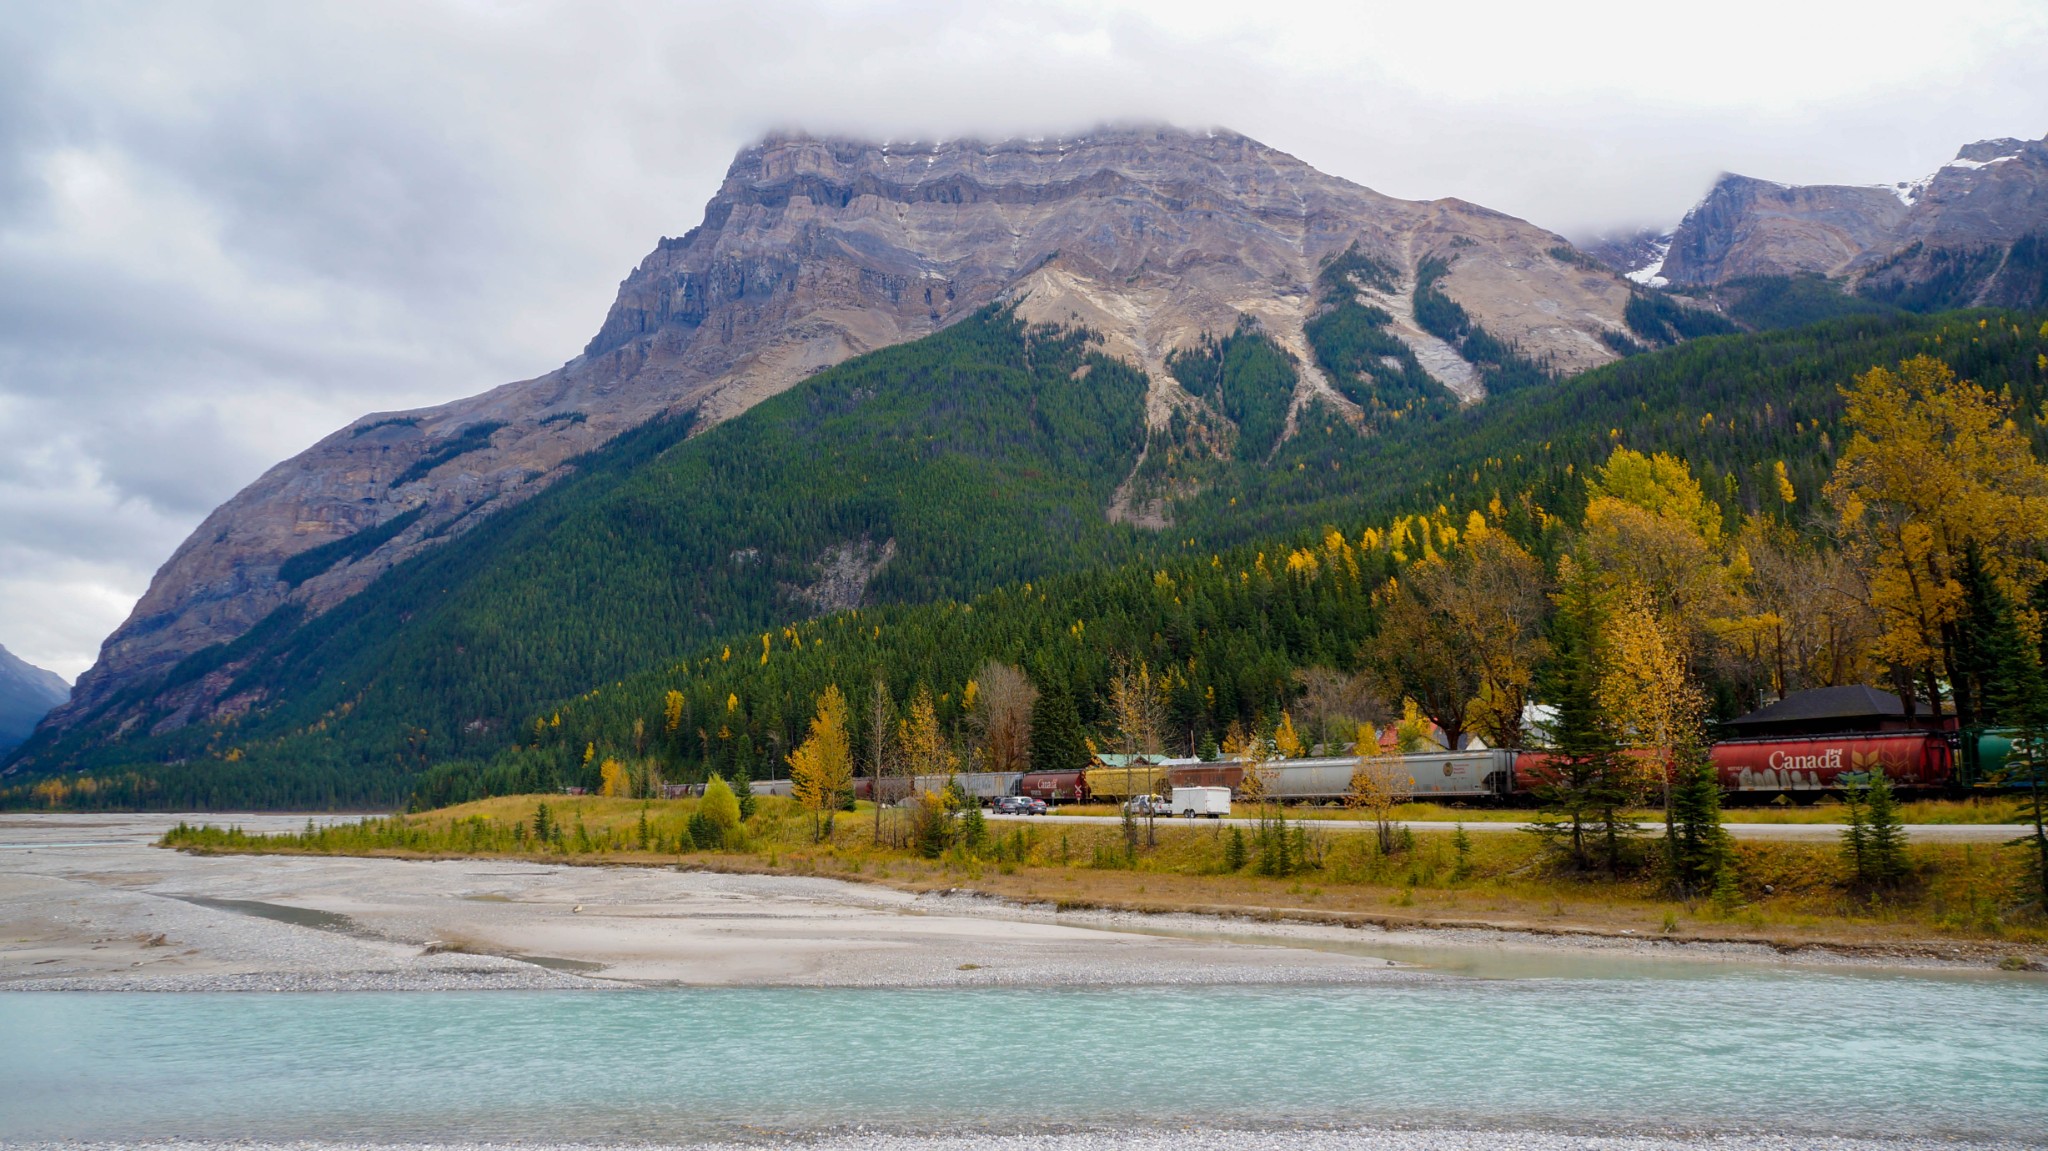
88	903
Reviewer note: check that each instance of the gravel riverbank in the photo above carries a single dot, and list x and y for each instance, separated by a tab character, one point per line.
88	903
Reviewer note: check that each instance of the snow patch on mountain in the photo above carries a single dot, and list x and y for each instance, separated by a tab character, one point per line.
1650	274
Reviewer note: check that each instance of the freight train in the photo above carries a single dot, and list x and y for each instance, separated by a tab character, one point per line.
1760	769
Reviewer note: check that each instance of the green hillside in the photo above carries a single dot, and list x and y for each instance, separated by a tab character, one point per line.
986	454
1230	629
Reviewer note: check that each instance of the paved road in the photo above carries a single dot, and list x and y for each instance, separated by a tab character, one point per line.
1787	832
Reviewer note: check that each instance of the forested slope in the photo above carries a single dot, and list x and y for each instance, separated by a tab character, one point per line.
979	456
1227	632
986	454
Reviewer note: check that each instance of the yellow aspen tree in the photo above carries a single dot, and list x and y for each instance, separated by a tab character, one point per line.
1933	467
616	782
821	767
922	745
1649	523
1252	752
1380	782
672	712
1137	706
1285	741
1645	688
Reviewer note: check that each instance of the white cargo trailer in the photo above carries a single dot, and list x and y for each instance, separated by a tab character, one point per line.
1213	802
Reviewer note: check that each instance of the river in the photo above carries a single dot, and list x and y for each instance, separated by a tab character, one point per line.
1734	1049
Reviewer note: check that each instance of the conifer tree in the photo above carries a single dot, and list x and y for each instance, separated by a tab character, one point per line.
1582	792
2021	703
1057	741
1701	853
973	826
1884	847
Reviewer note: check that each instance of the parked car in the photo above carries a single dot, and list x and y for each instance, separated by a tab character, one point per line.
1015	805
1034	806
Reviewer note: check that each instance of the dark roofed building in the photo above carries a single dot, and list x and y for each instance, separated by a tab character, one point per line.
1828	710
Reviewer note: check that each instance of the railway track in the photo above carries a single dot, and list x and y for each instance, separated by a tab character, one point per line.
1783	832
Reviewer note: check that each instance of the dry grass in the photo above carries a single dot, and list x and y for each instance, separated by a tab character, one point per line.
1962	898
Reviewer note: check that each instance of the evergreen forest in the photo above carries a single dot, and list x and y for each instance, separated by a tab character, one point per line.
912	516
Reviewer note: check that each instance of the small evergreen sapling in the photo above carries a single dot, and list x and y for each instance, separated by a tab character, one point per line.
1874	842
973	828
1701	854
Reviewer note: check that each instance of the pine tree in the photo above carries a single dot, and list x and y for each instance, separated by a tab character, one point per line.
1582	792
1057	741
1884	848
973	827
1234	850
743	787
1701	853
2021	703
1856	833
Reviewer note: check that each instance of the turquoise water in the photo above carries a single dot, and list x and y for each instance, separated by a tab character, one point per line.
1745	1050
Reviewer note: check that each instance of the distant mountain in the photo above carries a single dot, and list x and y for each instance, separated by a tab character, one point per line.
1972	233
27	693
816	250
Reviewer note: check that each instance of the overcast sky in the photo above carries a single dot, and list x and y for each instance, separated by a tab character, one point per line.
227	229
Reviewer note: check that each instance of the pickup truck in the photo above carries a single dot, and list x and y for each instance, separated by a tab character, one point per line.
1142	805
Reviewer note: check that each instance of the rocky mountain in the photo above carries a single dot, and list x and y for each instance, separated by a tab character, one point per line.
1968	234
27	693
816	250
1629	251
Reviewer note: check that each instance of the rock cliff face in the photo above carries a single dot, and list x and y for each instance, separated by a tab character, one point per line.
816	250
1747	227
1961	222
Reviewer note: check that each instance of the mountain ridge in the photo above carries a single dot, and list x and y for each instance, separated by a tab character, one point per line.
1973	222
27	693
817	249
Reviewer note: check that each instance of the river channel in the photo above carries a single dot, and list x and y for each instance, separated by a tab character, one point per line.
1737	1049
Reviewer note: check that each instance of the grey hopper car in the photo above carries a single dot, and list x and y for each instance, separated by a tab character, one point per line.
1439	775
986	786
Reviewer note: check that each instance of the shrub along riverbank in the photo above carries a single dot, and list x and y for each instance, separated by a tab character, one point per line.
1965	899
